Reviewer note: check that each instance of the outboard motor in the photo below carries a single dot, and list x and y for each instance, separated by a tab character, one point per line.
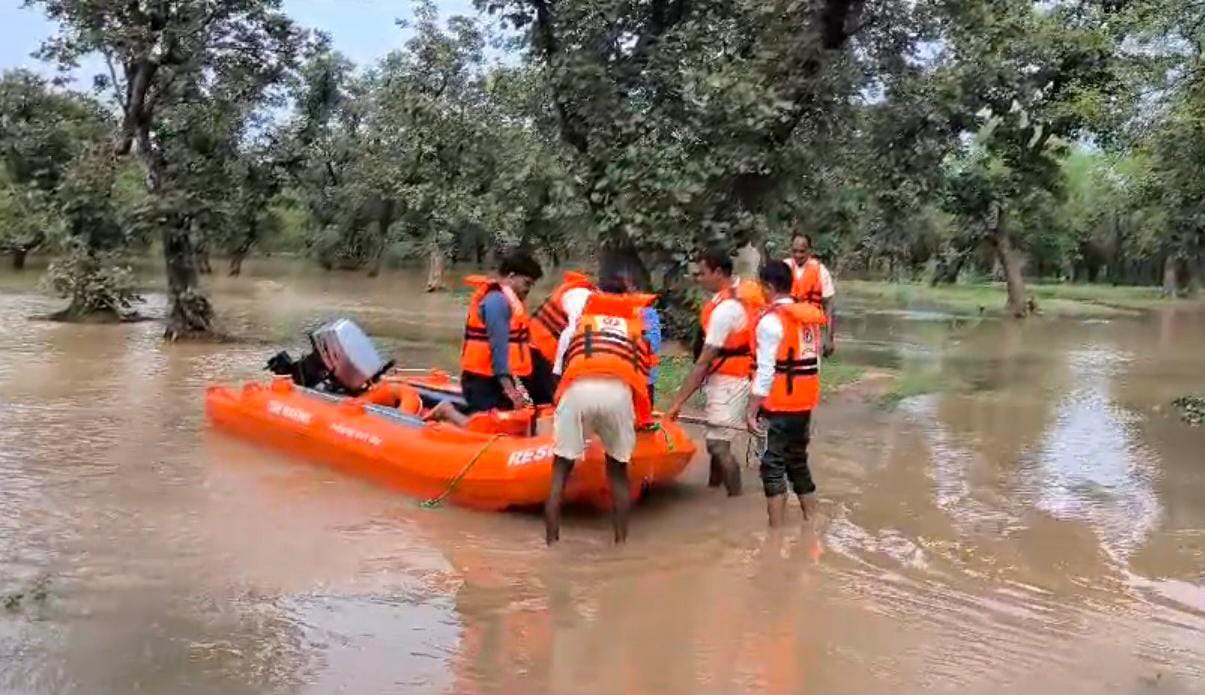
343	360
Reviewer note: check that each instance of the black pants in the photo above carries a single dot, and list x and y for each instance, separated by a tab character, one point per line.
541	385
786	456
483	393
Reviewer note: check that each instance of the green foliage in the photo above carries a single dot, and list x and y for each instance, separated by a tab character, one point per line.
426	152
95	282
693	122
983	139
188	78
836	374
61	179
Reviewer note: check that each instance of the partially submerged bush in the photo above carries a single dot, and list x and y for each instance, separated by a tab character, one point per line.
96	282
1192	409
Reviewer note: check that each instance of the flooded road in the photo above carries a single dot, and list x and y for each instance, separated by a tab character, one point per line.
1036	525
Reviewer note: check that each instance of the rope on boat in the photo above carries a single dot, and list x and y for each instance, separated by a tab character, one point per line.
755	446
435	501
669	441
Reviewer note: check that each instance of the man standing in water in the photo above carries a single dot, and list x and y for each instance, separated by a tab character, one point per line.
603	360
548	323
786	388
812	283
723	365
496	354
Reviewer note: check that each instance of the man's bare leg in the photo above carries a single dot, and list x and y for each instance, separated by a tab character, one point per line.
730	470
447	412
621	497
561	468
716	477
807	503
776	508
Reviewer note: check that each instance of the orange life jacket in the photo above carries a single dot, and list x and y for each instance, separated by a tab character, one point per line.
609	341
736	358
805	284
550	319
796	385
475	354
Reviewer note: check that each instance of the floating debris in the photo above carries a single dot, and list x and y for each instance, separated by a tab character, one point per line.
1192	409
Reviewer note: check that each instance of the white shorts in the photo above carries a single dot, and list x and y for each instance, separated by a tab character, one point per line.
727	398
604	407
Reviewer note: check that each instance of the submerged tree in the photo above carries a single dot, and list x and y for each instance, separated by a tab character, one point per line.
166	57
60	177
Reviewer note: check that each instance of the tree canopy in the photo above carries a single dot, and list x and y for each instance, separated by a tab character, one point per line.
917	139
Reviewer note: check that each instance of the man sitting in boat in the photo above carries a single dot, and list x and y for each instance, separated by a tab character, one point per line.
603	357
496	356
517	423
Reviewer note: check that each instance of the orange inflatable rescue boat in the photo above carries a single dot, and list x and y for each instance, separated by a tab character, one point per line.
496	462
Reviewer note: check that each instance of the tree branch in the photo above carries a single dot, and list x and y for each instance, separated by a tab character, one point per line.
113	79
572	129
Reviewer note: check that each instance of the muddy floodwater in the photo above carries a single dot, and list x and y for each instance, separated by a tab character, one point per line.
1037	525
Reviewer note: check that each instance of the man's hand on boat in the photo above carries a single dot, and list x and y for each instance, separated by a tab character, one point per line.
518	397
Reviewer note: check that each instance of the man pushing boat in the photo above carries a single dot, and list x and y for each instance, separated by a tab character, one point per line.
603	359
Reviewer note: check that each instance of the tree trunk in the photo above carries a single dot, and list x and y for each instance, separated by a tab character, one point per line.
189	313
1171	275
19	254
948	269
244	247
1009	261
623	259
1117	267
435	268
201	249
384	222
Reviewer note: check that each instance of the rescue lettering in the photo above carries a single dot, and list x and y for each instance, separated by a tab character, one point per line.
357	435
526	456
289	412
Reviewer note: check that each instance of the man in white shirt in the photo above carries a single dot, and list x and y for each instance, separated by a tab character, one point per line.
811	282
786	388
722	367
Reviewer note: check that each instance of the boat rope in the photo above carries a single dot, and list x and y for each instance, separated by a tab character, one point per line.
435	501
756	442
755	445
669	441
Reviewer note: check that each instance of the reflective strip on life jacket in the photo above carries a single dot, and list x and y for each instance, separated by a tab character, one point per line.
589	343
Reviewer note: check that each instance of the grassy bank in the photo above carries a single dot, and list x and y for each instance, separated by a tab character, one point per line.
988	299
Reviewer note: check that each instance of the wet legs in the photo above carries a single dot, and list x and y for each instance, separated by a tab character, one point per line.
561	468
621	498
724	466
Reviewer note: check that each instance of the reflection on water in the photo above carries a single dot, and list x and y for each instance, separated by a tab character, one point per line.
1037	527
1089	465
